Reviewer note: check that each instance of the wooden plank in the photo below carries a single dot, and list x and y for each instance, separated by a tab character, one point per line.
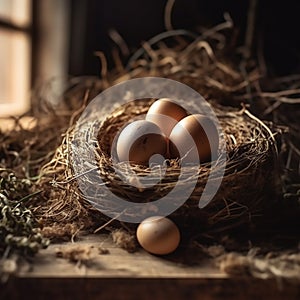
139	275
118	263
145	289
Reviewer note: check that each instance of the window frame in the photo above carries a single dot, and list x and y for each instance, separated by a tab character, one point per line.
20	106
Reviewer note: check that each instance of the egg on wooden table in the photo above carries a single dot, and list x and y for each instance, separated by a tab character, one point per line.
139	141
165	113
158	235
189	139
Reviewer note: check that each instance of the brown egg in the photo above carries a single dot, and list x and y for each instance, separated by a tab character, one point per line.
158	235
190	138
165	113
139	140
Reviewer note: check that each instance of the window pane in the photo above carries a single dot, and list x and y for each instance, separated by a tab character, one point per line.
14	72
16	11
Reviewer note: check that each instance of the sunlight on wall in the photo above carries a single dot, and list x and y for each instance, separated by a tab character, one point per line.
15	61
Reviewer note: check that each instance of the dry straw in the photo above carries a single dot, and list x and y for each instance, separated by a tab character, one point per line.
205	64
239	89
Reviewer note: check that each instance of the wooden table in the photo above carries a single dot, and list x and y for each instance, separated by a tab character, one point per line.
140	275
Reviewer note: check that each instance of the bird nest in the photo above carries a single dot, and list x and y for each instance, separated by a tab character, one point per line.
92	185
78	190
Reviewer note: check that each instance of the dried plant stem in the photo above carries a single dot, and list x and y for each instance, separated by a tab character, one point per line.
250	28
168	13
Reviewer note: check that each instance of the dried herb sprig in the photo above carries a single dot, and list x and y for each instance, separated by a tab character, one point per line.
19	231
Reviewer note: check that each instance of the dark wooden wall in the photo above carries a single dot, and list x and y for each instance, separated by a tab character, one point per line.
139	20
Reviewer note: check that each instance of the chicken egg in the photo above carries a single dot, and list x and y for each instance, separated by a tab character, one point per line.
158	235
139	141
165	113
189	139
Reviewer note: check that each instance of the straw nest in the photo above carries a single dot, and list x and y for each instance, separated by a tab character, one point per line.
249	168
210	67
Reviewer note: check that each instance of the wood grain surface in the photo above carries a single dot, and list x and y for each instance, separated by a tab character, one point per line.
140	275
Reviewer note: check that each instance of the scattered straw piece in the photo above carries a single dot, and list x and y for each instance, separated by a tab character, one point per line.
60	232
8	267
124	239
214	250
103	251
283	266
76	253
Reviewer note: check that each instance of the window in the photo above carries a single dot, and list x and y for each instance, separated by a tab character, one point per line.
15	56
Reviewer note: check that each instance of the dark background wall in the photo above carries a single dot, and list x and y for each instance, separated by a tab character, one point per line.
278	23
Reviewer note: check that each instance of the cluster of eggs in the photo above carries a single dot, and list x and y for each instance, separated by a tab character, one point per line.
169	131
